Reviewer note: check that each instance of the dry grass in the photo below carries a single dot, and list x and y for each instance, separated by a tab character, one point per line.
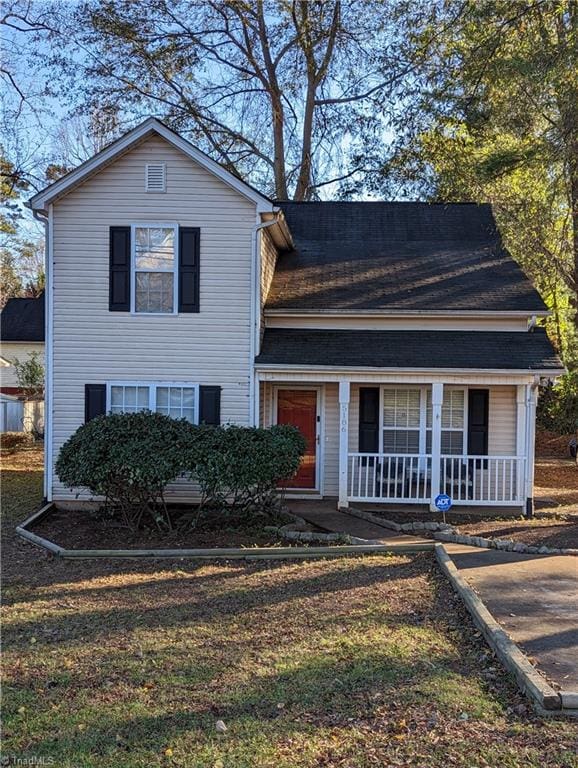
353	662
556	485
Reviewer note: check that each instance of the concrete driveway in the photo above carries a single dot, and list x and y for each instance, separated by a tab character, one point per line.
535	599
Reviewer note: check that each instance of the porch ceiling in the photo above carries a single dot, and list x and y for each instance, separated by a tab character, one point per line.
409	350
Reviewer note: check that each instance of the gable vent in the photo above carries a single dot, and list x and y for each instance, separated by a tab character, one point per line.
156	177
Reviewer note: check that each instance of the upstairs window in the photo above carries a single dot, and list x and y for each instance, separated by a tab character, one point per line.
154	268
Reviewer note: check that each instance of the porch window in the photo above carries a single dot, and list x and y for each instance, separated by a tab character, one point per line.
453	421
407	420
154	268
401	420
180	401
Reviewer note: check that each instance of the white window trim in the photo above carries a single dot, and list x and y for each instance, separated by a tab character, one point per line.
423	428
464	428
152	387
133	270
420	429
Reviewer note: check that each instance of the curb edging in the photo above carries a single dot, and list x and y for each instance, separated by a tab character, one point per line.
546	700
356	547
450	534
417	527
502	545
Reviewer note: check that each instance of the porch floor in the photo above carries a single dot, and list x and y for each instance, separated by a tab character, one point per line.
324	515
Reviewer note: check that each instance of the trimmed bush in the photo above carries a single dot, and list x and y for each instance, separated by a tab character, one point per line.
129	459
244	467
10	441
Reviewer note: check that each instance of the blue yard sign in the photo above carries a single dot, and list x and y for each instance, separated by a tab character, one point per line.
443	502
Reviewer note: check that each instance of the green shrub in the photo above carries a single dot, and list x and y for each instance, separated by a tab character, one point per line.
245	467
129	459
10	441
558	405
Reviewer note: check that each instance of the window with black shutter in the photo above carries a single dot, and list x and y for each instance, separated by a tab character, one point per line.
189	266
478	420
119	269
94	401
210	405
369	419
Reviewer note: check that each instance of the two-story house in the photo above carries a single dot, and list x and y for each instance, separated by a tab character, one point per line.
400	338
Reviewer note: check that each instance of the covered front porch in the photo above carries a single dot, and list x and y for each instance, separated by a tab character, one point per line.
403	438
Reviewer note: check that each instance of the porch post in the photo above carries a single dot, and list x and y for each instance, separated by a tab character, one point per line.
437	398
344	389
256	415
531	398
521	443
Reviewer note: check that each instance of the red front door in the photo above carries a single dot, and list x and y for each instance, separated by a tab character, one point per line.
299	408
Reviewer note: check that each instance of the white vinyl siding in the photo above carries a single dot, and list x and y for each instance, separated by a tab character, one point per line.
502	421
93	345
268	262
331	443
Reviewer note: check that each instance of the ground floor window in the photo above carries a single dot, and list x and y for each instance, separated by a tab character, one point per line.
407	420
178	400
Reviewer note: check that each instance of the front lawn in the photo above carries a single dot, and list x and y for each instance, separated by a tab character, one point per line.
352	662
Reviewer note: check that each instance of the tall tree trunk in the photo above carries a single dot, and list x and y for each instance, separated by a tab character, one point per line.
281	191
573	186
568	100
304	180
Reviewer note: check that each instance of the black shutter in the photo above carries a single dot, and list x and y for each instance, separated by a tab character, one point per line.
119	265
478	413
189	263
210	406
369	419
94	400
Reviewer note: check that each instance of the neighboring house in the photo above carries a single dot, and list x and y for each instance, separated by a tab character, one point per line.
399	337
21	333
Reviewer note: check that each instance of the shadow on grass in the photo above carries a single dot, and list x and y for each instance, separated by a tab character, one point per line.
177	601
347	658
318	693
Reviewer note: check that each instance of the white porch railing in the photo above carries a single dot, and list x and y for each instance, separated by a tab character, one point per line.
488	480
407	478
389	477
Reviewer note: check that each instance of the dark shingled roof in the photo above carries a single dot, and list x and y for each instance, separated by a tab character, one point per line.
496	350
355	256
23	320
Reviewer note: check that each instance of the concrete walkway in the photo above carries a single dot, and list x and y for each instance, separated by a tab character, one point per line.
535	599
324	515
